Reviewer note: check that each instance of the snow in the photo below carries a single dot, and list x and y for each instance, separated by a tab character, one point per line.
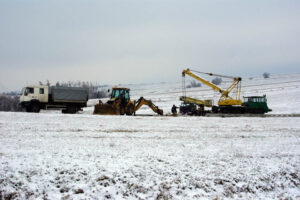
52	155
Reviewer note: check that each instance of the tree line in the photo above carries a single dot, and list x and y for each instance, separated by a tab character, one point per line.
9	103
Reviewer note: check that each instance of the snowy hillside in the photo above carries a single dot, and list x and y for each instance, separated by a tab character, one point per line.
59	156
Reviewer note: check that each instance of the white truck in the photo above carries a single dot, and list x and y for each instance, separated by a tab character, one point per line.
68	99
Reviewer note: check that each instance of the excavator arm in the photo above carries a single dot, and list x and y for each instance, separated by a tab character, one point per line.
149	103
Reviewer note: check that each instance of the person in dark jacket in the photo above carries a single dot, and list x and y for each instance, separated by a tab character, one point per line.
174	109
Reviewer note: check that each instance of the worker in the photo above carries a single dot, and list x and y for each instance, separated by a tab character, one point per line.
174	109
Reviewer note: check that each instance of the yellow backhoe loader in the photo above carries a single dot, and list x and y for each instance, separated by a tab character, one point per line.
120	104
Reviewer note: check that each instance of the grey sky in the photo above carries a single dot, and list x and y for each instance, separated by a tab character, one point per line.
134	41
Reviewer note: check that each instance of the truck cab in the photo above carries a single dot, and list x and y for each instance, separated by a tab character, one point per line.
32	96
187	108
39	93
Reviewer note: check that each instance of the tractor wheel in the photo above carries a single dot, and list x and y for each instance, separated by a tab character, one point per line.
122	110
130	109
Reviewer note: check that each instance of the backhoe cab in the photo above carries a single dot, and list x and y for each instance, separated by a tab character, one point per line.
122	93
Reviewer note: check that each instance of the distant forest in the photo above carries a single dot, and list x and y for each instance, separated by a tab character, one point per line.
9	100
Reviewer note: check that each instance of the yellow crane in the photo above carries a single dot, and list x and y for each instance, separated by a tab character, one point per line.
225	99
229	103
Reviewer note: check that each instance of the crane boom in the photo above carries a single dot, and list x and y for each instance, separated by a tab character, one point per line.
225	99
213	86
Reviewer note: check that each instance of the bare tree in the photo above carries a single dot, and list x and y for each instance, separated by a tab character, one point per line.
266	75
9	103
217	81
194	84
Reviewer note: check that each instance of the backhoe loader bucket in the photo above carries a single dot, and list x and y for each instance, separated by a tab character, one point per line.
106	109
160	112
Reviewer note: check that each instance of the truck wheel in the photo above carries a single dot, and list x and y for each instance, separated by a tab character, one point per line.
28	109
71	109
35	108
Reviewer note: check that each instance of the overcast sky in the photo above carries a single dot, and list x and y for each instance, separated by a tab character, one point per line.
135	41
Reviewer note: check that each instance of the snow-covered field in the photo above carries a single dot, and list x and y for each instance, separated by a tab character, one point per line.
52	155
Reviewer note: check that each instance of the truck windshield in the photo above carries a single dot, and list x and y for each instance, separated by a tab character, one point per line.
28	90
